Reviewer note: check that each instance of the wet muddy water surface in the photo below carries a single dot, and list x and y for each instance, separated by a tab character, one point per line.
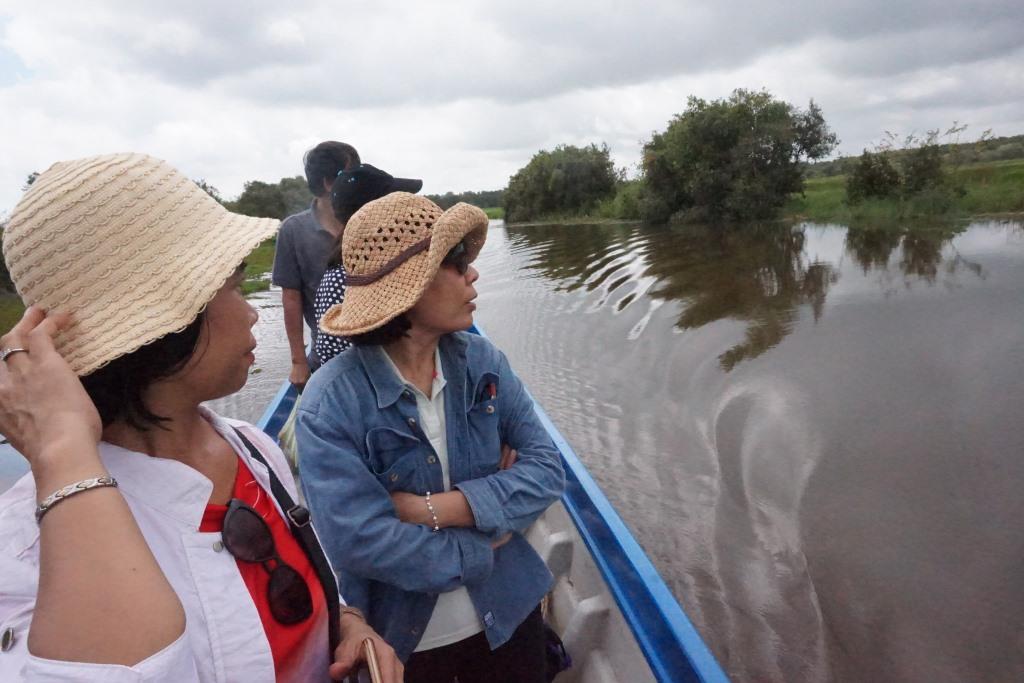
814	431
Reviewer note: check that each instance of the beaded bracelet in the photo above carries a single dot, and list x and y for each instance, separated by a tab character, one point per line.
433	513
70	490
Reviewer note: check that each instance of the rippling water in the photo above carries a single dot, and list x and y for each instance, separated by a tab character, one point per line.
814	432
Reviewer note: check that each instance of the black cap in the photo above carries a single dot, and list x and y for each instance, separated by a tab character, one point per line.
364	183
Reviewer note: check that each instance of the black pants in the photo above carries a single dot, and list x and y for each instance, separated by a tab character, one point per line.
519	660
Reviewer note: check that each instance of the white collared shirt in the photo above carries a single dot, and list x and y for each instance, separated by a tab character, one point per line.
224	638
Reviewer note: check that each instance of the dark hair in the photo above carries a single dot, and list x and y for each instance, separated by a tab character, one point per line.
117	388
389	332
324	161
343	207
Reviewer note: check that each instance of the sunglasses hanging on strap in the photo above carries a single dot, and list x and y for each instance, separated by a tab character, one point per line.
298	521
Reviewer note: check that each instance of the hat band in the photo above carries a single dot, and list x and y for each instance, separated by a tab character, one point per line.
369	278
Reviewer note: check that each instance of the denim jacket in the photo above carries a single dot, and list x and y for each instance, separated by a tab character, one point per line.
360	440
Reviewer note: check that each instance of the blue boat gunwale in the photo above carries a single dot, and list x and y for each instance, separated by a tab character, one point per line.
668	639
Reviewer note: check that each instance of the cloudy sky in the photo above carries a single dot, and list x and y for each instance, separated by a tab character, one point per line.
462	94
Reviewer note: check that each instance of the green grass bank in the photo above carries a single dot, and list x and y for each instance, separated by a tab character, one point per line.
10	311
989	188
257	267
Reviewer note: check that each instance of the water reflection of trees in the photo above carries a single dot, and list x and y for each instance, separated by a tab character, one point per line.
921	251
759	276
572	255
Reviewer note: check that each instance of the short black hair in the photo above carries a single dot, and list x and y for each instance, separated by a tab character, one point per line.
117	388
325	161
389	332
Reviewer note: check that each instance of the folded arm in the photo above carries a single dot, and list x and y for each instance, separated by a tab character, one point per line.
451	508
511	499
363	534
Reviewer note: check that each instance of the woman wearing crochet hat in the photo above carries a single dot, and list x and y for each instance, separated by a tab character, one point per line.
150	540
402	441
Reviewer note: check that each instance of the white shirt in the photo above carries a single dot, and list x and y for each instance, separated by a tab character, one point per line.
454	617
223	639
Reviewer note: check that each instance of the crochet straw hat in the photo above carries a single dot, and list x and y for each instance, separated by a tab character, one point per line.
391	250
129	245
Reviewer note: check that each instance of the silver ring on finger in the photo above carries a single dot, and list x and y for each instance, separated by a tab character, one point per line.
10	352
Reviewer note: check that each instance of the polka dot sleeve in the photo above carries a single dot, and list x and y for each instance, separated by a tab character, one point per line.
331	291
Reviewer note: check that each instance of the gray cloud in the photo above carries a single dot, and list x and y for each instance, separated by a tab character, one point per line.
388	53
463	93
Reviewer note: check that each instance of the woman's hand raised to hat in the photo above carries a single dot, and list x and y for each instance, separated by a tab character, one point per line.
43	404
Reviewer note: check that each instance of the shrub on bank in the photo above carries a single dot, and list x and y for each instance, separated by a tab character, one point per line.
738	158
625	203
926	177
923	169
873	176
272	200
565	181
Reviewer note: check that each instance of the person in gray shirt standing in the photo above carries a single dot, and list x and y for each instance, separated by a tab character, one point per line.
304	245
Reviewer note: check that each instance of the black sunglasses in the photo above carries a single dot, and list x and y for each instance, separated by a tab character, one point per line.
457	258
248	538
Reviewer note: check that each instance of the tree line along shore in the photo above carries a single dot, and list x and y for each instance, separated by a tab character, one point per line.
746	158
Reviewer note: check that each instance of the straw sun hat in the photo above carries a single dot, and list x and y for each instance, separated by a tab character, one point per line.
128	244
391	250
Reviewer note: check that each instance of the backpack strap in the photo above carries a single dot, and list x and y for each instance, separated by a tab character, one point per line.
299	523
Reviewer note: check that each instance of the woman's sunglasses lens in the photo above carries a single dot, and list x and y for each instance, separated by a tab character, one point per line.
290	601
458	258
246	535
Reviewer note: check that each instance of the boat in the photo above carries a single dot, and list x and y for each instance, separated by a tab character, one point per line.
616	617
614	613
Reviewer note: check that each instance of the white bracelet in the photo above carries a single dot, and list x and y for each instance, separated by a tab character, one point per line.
70	490
433	514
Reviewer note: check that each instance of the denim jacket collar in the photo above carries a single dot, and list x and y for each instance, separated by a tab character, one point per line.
388	387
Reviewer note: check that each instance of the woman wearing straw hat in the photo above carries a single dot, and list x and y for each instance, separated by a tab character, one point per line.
402	453
149	540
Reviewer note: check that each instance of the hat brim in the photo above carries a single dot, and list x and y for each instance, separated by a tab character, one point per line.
411	185
368	307
133	248
93	340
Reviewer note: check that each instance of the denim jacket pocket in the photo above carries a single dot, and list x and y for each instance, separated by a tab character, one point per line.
485	393
385	447
401	476
484	425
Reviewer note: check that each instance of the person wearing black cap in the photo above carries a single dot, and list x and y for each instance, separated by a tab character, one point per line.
351	190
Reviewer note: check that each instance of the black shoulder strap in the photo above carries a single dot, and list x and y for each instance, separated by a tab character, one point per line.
298	520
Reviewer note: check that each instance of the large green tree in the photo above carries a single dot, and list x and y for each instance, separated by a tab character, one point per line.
736	159
273	200
295	193
566	180
485	199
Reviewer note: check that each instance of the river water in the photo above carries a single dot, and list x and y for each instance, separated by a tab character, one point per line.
815	432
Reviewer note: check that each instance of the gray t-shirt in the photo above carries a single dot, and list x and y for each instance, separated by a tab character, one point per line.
303	249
